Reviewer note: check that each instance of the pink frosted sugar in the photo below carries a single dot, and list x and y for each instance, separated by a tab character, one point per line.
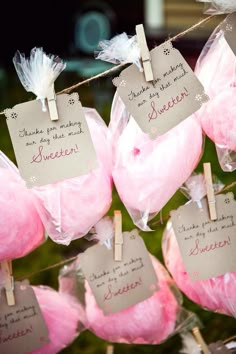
21	229
148	322
148	172
62	319
215	294
70	208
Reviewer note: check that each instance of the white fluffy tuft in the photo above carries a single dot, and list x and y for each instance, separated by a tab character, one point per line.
103	231
190	346
224	5
219	6
38	72
120	49
195	187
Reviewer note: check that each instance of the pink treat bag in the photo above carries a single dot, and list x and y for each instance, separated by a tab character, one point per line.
21	230
62	317
148	172
151	321
71	207
216	69
215	294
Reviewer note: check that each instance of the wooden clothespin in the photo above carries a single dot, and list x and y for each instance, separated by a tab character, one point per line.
52	104
210	191
110	349
6	267
145	54
200	340
118	242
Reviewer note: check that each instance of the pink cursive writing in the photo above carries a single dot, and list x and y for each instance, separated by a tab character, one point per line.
155	113
197	249
15	335
41	156
129	287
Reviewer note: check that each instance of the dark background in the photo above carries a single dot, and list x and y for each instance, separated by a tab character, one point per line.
51	24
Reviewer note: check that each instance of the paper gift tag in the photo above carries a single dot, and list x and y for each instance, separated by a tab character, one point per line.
160	105
229	28
207	247
51	151
118	285
22	327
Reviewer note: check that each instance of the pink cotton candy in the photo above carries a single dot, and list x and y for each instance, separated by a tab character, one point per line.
62	318
21	229
216	66
148	322
148	172
70	208
215	294
218	120
216	69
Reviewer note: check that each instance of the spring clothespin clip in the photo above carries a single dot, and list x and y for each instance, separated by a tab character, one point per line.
198	336
6	267
118	241
210	191
52	105
110	349
145	54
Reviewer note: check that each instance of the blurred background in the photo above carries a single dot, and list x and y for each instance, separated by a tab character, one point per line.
72	30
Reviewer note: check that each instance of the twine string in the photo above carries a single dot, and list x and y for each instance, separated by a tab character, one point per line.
55	265
102	74
119	66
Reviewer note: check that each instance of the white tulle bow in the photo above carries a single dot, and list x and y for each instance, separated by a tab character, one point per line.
120	49
190	345
195	187
220	6
103	232
38	72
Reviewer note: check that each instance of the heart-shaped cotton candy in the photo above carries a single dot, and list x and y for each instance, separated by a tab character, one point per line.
21	230
215	294
148	172
71	207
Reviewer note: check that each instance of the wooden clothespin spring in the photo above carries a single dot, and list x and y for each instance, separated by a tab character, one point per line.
118	242
145	54
52	104
210	191
6	267
200	340
110	349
